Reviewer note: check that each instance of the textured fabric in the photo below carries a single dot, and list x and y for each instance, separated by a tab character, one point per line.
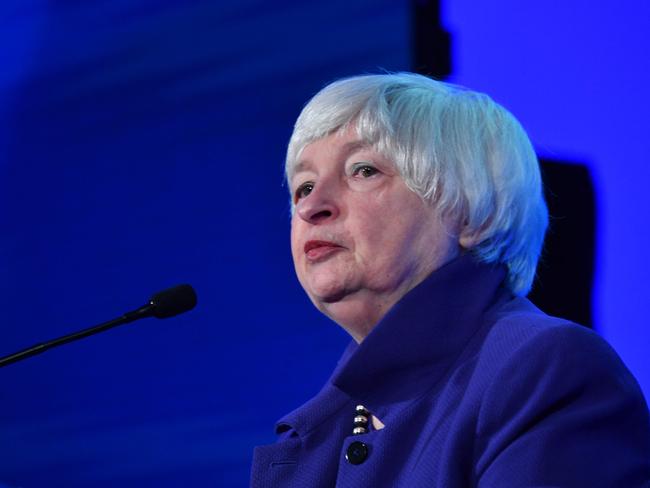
476	388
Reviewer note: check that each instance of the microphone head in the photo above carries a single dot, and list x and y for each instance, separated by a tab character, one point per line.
173	301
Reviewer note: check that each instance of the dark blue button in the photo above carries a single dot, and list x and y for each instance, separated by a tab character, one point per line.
357	453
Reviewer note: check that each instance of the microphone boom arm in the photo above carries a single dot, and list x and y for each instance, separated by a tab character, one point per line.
164	304
75	336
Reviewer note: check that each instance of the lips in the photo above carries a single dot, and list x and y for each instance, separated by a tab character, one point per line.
318	250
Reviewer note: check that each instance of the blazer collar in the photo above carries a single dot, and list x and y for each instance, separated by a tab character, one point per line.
418	340
412	347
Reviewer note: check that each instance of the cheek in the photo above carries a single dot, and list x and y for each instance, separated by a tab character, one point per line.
294	237
393	235
379	241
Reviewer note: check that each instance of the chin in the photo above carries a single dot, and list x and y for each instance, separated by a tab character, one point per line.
326	291
327	296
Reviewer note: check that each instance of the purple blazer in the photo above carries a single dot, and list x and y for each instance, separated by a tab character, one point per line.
476	388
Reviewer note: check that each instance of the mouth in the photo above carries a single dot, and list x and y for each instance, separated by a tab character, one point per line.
318	250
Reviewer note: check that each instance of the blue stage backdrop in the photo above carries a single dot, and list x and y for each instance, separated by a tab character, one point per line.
141	146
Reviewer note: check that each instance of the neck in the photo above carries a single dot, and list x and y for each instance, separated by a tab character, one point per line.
360	312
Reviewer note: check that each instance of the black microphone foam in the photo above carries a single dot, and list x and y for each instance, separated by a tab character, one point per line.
176	300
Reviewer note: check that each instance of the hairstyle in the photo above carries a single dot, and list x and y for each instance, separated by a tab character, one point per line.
456	148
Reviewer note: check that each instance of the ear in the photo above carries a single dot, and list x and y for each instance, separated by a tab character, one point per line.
469	237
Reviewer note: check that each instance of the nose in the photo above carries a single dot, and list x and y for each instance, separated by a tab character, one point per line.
320	206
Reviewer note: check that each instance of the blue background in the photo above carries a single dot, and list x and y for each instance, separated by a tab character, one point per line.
141	145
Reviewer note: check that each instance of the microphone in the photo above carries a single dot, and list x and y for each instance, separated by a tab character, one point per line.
168	303
162	305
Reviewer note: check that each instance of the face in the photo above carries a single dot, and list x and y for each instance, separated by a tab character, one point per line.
360	238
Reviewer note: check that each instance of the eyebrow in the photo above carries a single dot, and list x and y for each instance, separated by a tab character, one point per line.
347	149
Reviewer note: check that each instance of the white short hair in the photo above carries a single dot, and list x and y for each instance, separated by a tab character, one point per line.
456	148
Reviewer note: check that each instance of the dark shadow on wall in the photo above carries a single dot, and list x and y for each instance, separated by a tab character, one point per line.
564	280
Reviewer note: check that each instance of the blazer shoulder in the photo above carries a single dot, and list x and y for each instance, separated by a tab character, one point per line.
553	392
519	327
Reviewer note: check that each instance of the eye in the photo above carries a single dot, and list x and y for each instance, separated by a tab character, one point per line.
364	170
303	190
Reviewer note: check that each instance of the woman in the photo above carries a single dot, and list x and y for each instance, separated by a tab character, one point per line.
418	220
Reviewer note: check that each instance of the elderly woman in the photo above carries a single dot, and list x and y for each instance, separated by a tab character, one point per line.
418	219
